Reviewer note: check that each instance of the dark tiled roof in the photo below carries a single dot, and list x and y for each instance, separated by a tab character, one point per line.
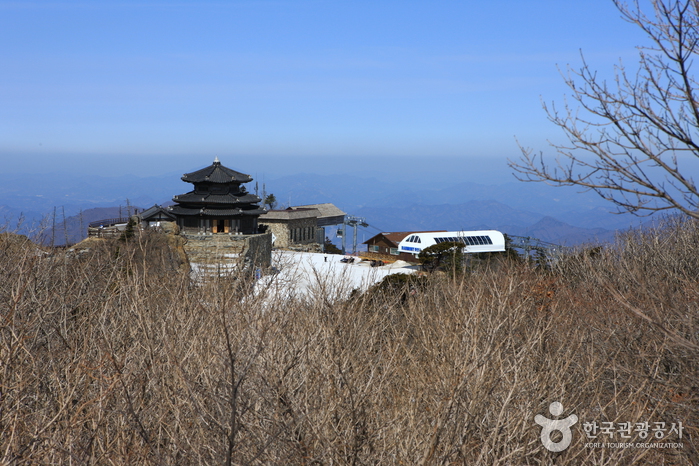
180	210
206	198
326	210
328	214
216	173
155	211
290	214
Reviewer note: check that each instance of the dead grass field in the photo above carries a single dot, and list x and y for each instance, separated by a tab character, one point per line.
113	356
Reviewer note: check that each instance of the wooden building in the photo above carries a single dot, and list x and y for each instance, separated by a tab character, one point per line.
385	246
219	203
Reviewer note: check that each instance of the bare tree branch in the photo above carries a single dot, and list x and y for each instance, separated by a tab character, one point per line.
631	141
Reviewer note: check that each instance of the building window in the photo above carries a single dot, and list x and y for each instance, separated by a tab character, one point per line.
374	248
394	251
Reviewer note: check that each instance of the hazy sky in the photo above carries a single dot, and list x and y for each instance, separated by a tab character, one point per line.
293	77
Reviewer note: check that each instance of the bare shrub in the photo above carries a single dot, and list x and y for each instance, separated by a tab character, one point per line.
112	356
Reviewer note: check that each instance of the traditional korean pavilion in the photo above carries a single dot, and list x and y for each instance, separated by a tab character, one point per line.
218	204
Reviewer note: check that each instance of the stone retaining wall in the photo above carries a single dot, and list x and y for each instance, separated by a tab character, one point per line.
220	252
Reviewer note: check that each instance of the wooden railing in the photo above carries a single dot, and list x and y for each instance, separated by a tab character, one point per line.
107	222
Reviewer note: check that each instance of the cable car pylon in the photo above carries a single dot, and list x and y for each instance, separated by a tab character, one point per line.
352	221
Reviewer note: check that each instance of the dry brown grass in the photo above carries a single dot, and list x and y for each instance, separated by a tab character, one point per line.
112	356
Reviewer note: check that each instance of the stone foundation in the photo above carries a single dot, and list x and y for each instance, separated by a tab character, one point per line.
221	253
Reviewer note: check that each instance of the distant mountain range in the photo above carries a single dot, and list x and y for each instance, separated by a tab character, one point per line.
558	215
388	203
484	215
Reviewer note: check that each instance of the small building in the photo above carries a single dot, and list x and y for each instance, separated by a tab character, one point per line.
293	226
219	203
329	214
154	216
301	225
385	246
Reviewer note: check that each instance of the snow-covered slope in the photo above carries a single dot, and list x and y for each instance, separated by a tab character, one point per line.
315	275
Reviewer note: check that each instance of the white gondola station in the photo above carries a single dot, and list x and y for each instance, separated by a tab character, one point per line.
474	241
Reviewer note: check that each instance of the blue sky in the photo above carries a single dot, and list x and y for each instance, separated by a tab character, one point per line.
291	78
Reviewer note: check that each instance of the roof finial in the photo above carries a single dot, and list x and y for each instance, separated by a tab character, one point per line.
216	160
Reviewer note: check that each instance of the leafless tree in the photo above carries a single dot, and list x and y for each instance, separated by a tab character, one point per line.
632	141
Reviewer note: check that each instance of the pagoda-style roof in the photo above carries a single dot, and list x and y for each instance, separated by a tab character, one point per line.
206	211
209	198
216	173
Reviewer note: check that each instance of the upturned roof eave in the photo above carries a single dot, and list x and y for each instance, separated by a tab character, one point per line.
216	174
188	212
219	199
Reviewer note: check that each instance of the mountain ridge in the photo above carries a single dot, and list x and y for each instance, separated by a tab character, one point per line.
394	204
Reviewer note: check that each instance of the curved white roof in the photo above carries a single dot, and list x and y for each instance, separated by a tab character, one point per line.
474	241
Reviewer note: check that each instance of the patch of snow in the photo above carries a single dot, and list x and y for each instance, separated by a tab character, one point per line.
306	274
